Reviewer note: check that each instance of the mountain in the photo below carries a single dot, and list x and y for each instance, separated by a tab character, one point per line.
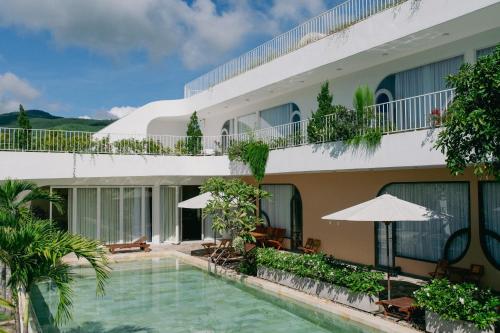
44	120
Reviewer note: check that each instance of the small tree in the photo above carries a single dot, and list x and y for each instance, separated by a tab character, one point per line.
24	123
316	123
194	134
233	206
471	133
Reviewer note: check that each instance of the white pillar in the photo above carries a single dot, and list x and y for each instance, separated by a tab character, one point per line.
156	214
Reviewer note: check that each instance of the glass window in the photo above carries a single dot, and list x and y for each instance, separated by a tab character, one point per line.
86	212
485	52
110	215
284	210
490	220
168	213
279	115
132	218
428	240
247	123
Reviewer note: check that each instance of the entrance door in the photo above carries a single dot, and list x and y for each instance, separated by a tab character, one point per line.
191	218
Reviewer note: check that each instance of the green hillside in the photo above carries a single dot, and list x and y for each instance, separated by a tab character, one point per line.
44	120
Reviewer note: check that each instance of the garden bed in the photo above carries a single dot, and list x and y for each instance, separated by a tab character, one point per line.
434	323
321	289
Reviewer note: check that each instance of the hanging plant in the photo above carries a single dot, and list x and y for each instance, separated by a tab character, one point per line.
252	153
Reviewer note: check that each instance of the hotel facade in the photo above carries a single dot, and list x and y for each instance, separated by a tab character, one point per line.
402	50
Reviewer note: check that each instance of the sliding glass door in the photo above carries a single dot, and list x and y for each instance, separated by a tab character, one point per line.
168	214
110	215
132	215
86	212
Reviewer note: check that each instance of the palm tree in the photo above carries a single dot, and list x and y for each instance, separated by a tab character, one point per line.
33	249
16	196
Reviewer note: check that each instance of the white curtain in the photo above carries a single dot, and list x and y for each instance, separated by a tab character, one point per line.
418	81
168	213
86	212
276	116
485	52
278	207
382	246
132	201
490	202
247	123
427	240
110	215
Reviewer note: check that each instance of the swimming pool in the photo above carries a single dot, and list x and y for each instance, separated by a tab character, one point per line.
168	295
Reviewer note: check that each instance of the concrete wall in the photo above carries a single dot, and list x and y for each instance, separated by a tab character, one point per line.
324	193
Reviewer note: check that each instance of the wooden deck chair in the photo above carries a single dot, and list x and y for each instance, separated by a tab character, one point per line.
276	238
138	243
441	270
223	245
312	246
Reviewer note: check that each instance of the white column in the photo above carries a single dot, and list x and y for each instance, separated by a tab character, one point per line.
98	231
121	215
156	214
143	211
74	207
178	215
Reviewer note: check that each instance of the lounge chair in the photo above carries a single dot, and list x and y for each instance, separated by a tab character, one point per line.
138	243
441	270
312	246
276	238
223	245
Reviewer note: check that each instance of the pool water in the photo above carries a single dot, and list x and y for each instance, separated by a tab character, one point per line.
169	296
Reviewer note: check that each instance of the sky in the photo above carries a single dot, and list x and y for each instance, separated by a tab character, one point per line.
104	58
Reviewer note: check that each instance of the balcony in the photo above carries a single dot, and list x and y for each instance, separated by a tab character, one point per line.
408	114
321	26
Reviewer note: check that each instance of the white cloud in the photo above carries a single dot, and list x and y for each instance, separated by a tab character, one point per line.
120	111
15	91
199	32
84	117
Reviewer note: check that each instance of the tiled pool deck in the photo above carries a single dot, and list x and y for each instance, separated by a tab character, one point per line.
183	251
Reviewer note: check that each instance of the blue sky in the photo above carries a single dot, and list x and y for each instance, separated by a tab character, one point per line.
103	58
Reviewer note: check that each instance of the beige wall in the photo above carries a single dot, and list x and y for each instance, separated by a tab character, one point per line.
324	193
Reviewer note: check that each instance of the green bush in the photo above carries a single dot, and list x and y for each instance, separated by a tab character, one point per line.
464	302
358	279
252	153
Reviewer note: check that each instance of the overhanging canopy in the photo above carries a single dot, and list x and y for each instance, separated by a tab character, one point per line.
197	202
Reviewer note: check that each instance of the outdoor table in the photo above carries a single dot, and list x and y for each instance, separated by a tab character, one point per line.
403	306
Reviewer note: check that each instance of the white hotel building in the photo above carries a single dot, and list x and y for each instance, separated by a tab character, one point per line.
401	49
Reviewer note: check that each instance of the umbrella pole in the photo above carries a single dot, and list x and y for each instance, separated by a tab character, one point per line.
388	256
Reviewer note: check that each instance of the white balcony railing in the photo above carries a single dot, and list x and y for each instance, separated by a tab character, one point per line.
327	23
419	112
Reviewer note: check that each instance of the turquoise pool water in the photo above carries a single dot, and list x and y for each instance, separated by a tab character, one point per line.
170	296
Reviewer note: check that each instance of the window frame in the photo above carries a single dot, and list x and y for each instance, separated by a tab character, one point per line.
466	229
482	227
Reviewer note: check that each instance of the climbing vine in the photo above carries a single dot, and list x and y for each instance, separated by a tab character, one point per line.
252	153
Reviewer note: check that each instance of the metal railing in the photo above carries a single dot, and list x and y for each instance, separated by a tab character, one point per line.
418	112
412	113
325	24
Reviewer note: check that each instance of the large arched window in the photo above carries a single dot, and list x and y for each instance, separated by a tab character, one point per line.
227	129
490	220
443	238
280	115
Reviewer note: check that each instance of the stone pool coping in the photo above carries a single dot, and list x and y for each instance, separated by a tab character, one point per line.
363	318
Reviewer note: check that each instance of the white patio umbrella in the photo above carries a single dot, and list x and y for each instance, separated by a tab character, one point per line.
387	209
197	202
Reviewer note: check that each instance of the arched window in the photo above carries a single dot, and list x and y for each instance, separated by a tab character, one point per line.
490	220
226	131
279	115
443	238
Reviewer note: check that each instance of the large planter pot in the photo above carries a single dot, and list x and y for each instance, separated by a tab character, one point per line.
321	289
435	324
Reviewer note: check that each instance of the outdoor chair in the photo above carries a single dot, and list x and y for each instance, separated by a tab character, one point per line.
441	270
312	246
475	274
276	238
138	243
223	245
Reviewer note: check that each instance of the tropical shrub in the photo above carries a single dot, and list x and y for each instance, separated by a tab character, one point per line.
331	122
464	302
320	267
233	206
363	97
471	131
24	123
